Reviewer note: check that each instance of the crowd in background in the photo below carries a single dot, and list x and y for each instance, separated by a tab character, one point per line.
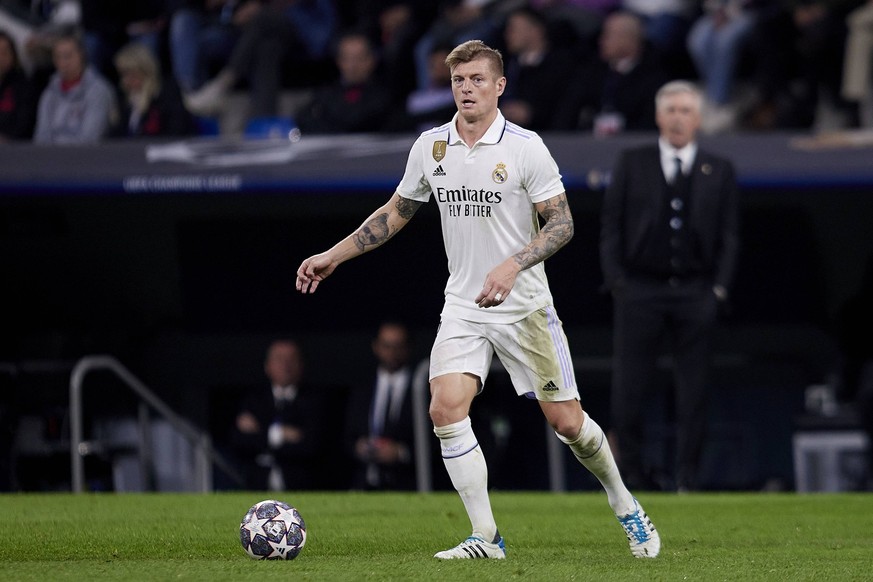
81	71
78	71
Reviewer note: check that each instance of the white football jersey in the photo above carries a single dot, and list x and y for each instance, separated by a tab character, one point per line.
486	197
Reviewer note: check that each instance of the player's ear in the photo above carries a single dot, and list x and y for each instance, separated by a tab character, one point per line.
501	85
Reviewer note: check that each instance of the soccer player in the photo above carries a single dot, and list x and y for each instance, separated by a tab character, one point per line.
491	179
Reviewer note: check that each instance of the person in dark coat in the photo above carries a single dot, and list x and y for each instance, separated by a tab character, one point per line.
615	92
380	420
668	248
357	102
151	105
279	435
17	95
536	72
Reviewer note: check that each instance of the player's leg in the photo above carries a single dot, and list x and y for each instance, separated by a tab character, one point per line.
459	365
589	445
536	354
451	395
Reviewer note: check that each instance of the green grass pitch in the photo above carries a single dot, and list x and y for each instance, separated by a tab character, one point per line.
393	536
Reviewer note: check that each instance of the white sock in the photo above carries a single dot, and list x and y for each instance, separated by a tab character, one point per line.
466	466
592	450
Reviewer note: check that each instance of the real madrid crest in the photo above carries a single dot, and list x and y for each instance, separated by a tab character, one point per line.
499	174
439	150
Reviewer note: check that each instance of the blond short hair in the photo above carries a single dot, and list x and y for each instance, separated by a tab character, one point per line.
472	50
138	57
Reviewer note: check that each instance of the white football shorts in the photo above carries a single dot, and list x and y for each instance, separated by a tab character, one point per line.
534	352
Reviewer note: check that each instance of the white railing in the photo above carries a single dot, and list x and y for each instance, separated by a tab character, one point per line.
204	454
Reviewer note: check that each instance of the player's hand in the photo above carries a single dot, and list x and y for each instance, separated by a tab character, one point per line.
498	284
313	271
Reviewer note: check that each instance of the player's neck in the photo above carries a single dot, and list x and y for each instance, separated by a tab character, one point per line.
471	130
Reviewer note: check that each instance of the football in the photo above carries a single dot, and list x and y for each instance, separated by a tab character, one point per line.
272	530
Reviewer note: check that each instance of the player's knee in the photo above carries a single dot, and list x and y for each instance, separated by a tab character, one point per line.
450	399
565	418
443	413
567	428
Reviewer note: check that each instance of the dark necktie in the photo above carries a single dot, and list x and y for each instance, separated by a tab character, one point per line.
679	175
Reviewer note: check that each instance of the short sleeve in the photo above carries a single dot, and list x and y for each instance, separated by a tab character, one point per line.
414	184
542	179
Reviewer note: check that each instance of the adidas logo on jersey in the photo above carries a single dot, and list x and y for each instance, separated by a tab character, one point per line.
550	387
439	171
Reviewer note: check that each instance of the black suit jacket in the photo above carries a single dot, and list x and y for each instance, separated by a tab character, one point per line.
401	429
634	204
301	463
633	95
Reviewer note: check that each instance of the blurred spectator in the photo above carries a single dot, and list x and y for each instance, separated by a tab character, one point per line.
716	42
275	34
78	105
858	62
380	416
202	35
536	72
357	102
458	21
34	26
799	47
109	24
666	24
278	432
575	21
616	91
395	26
17	96
432	106
152	105
669	244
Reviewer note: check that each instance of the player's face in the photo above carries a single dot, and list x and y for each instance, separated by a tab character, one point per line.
476	88
678	118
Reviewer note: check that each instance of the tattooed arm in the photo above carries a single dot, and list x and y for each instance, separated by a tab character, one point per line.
554	234
383	224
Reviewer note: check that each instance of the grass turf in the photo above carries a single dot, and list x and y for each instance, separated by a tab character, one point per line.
388	536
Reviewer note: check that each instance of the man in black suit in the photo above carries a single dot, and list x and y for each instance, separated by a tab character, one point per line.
614	91
279	431
536	71
381	430
668	250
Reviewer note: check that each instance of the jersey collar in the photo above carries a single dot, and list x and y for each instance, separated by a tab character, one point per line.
493	134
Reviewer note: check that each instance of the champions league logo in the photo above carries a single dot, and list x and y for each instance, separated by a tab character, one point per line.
499	174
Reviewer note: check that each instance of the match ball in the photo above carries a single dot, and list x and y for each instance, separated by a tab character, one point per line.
272	530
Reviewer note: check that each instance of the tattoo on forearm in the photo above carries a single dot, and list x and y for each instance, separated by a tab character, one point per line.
555	233
407	208
376	231
373	233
